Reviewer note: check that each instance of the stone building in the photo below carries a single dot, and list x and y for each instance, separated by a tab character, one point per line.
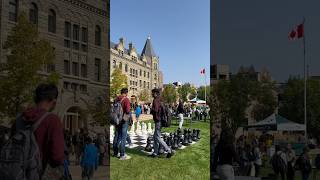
79	32
142	70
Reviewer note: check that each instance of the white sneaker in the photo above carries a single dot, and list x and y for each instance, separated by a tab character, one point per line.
125	157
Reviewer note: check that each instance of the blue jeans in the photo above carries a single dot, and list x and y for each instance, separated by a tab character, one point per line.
128	139
120	137
157	139
305	176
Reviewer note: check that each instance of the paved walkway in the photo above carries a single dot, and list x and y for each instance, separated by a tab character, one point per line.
143	117
100	174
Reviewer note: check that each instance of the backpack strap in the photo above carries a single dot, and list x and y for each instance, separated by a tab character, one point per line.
37	123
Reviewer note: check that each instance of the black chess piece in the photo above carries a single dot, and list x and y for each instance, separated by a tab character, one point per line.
168	142
175	141
194	135
179	132
179	140
189	136
165	138
198	134
185	138
148	148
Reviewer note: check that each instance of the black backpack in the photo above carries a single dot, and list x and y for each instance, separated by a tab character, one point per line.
278	163
165	116
20	156
116	113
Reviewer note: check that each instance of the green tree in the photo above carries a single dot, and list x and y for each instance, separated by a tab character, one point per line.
184	91
201	92
144	95
169	94
118	81
292	103
26	55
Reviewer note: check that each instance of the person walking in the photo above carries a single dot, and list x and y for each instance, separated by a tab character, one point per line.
48	132
156	111
138	112
257	159
225	155
89	160
304	164
122	129
279	162
291	158
180	112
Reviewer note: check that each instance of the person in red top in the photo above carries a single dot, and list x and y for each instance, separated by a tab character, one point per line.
49	134
122	129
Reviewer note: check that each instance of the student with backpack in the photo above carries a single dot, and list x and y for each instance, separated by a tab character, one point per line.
304	164
120	116
36	146
89	160
279	162
158	115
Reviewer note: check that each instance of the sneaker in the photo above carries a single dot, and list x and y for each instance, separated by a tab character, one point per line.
117	155
125	157
170	154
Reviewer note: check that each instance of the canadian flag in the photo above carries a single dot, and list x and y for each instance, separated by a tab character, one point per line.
297	33
203	71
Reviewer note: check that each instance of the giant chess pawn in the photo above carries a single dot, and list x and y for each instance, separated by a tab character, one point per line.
198	134
179	140
175	141
189	136
132	131
144	128
194	135
149	128
148	148
169	139
138	130
185	138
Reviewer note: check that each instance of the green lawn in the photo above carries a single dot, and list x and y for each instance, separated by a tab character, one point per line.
189	163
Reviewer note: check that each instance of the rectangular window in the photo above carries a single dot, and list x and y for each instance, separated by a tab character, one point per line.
75	45
83	70
84	48
67	43
75	69
51	68
148	85
13	9
84	35
66	85
97	69
148	74
144	84
66	67
67	29
140	72
144	74
83	88
140	82
76	32
74	86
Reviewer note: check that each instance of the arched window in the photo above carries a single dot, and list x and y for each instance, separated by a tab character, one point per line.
33	13
126	67
114	64
98	36
52	20
120	66
13	10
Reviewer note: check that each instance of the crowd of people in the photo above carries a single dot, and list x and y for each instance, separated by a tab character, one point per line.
247	156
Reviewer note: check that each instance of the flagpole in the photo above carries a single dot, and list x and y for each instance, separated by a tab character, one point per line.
305	81
205	87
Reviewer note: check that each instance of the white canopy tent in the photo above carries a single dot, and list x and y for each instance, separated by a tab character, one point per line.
197	101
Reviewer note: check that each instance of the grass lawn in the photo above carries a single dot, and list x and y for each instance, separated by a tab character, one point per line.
190	163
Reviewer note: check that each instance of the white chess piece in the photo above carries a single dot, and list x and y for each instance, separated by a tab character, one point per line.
111	133
138	130
149	128
144	128
132	129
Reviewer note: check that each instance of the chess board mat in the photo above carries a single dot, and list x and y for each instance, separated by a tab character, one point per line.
139	142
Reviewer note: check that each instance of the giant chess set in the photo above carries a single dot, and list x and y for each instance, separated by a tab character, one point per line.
141	135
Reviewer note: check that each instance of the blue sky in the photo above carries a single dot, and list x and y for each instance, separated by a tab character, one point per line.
179	30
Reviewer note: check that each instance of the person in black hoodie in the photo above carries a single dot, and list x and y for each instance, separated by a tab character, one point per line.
225	155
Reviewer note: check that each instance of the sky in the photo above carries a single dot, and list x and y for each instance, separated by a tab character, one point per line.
251	32
179	30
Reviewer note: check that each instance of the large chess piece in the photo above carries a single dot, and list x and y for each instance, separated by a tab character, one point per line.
169	140
189	136
179	135
111	133
161	149
149	128
198	134
132	132
144	128
148	148
185	138
138	130
194	135
175	141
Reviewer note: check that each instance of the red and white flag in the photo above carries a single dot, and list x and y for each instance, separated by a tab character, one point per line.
203	71
297	32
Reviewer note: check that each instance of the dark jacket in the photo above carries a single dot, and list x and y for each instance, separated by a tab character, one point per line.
180	109
156	109
49	136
